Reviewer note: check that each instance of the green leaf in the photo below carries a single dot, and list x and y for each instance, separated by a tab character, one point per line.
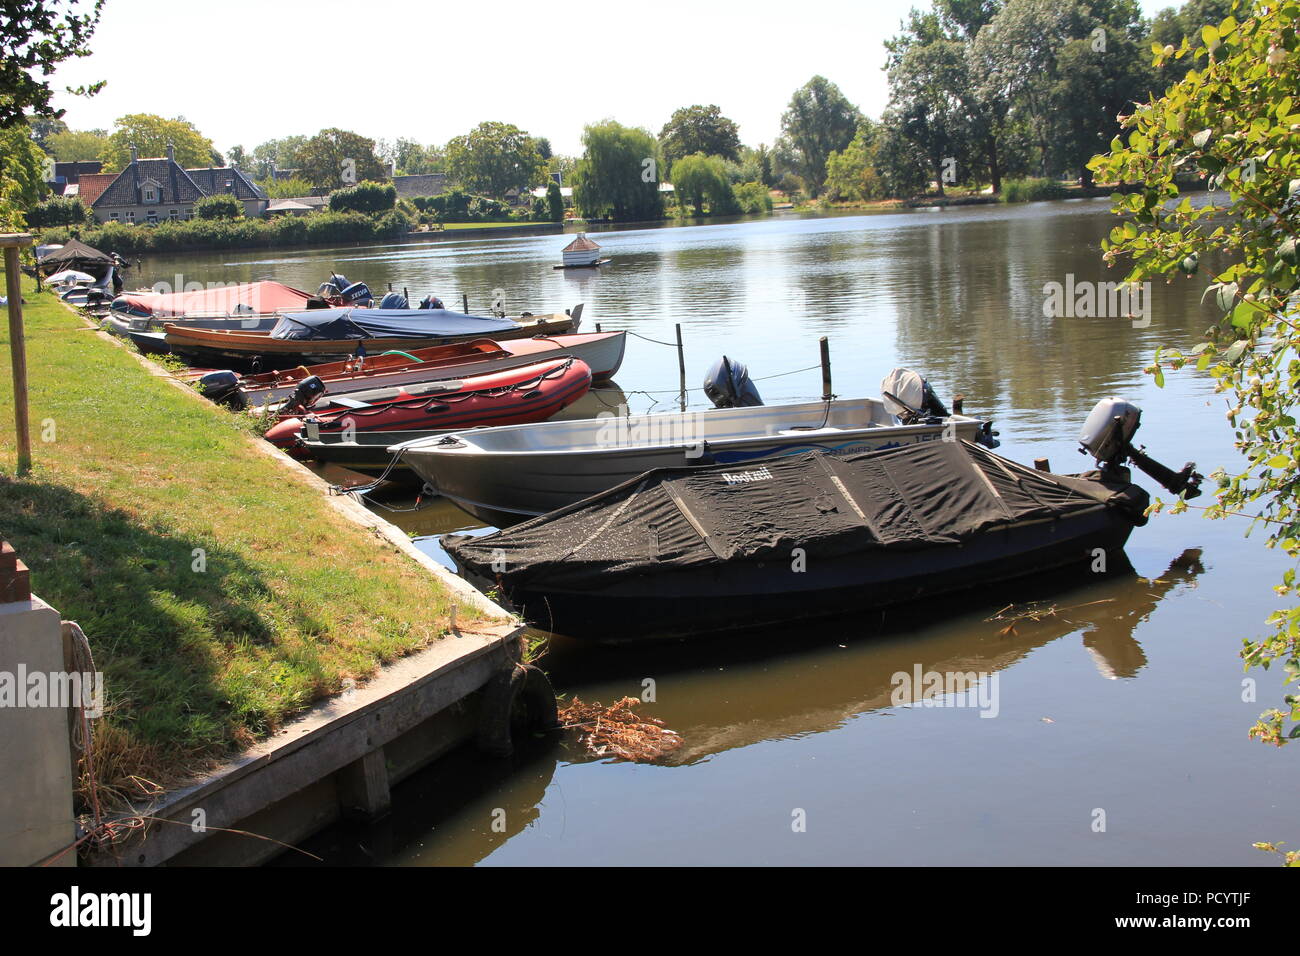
1287	250
1210	37
1235	352
1279	461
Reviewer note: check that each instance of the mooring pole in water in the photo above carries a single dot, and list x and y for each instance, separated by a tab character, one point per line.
826	369
681	364
12	242
464	302
406	295
597	326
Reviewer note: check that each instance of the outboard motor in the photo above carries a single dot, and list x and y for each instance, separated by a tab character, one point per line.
223	388
1108	436
394	300
334	285
909	397
728	385
358	293
308	390
431	302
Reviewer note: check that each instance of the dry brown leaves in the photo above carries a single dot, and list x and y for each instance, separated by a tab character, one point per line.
618	731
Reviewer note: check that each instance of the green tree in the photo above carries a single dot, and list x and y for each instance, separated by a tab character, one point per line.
925	83
220	206
57	211
700	179
337	157
290	188
819	120
369	197
151	135
699	129
851	172
415	159
554	202
1233	118
75	145
277	154
36	36
23	184
618	175
494	158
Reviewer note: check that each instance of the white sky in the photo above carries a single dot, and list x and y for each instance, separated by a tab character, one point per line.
244	72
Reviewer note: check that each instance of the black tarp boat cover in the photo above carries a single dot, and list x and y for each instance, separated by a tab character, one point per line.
921	495
333	324
75	254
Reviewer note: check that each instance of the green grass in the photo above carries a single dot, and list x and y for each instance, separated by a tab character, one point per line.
492	225
134	481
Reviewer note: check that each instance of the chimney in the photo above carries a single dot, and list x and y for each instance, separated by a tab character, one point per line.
171	153
134	157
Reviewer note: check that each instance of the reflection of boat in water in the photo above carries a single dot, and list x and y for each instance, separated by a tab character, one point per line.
755	675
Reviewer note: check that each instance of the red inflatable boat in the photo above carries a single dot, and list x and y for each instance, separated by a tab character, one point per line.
517	396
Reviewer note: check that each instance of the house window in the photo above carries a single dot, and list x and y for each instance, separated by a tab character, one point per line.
172	215
130	216
150	196
112	217
152	216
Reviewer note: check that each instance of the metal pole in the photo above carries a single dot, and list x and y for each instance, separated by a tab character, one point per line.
17	347
681	364
826	369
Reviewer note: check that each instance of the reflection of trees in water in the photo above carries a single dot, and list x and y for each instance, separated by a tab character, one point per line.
969	302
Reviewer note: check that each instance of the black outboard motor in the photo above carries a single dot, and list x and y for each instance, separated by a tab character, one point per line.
728	386
431	302
358	293
394	300
334	285
1108	436
308	390
223	388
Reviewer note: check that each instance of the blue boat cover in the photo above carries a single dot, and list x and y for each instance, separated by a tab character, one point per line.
334	324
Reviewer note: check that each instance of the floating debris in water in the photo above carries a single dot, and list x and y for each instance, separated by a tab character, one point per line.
618	731
1034	612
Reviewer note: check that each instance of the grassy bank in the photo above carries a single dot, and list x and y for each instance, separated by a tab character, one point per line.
220	593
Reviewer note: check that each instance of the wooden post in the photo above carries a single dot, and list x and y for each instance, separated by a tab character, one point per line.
464	302
12	242
826	369
681	364
1042	464
597	326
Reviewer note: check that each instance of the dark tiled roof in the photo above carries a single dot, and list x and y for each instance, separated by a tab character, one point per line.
226	179
177	186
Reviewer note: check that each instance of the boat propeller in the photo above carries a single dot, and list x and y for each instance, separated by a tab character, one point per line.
1108	436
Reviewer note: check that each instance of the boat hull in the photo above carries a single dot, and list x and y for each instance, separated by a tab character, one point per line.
530	393
739	596
601	351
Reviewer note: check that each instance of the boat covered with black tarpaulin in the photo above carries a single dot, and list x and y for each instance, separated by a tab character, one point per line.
688	551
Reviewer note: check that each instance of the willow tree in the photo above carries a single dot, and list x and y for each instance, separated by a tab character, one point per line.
1235	120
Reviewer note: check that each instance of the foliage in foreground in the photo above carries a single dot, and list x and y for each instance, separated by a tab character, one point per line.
1235	118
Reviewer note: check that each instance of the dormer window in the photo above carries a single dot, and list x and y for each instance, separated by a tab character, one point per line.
151	191
151	195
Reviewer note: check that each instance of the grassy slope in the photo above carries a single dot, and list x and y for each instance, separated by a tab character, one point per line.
293	598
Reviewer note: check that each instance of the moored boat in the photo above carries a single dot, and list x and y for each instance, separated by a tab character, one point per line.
508	474
528	393
601	351
325	335
677	552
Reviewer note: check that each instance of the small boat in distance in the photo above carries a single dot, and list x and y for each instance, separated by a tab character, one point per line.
581	253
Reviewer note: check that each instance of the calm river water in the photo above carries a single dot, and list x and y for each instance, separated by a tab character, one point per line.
1120	728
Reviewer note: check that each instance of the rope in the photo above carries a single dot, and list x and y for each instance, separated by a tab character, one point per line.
671	345
83	662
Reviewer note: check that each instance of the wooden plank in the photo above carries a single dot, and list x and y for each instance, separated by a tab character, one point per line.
18	348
